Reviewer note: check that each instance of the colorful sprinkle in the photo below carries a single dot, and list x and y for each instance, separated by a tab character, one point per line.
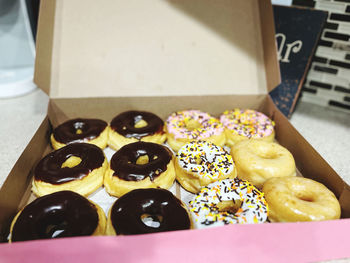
206	210
177	124
205	159
248	123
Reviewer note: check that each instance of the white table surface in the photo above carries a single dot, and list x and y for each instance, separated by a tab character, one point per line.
328	131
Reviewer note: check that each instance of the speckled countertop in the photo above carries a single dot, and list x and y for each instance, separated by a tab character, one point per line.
327	131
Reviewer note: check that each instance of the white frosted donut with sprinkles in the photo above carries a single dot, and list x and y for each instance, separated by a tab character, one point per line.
246	124
199	163
185	126
229	201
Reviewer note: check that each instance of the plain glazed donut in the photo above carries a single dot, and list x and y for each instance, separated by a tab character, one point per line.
200	163
61	214
185	126
134	126
129	214
293	199
78	167
140	165
229	201
258	160
246	124
92	131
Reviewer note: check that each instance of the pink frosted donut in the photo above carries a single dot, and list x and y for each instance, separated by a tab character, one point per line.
185	126
246	124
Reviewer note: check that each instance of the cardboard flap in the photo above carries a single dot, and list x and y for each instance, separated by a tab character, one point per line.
121	48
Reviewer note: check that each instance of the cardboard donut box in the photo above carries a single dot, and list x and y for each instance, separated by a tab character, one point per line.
96	59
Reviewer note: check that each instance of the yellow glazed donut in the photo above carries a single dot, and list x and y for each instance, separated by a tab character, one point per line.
134	126
77	167
92	131
258	160
140	165
200	163
293	199
185	126
61	214
246	124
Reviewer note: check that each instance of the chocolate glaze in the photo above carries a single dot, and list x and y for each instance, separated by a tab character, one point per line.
66	213
90	128
124	124
49	168
123	162
126	212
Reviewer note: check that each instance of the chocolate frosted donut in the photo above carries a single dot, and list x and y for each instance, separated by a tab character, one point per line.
140	165
92	131
78	167
61	214
128	213
133	126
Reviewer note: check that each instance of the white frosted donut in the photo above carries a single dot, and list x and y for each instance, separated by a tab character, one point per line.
246	124
185	126
229	201
200	163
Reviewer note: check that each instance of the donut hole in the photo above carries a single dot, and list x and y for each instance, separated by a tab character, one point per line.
229	206
305	197
54	230
143	159
140	124
71	162
153	221
79	127
192	124
198	160
268	154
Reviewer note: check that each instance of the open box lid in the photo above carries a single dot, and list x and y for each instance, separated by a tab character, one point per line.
88	48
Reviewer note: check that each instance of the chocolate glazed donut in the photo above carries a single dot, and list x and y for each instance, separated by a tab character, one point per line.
61	214
49	168
79	167
127	213
124	124
93	131
124	165
127	173
133	126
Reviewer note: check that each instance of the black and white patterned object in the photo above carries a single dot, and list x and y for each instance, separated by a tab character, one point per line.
328	80
296	45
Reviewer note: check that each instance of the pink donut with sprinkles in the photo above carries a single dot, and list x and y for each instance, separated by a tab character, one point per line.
185	126
246	124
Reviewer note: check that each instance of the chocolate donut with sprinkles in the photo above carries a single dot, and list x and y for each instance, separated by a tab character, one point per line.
246	124
200	163
229	201
185	126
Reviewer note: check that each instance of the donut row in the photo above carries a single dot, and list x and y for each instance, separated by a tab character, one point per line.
68	214
180	128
